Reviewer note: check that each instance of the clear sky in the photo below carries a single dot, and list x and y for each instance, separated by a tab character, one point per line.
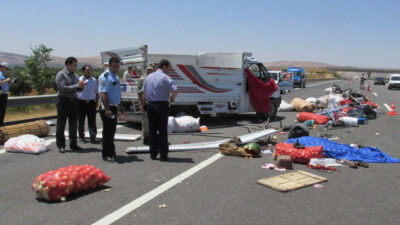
353	32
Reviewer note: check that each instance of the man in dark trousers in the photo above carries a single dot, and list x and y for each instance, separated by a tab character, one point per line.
68	84
157	88
88	100
110	94
3	90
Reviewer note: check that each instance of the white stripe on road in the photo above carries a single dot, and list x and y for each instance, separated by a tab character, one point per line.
387	107
312	85
375	93
126	209
52	140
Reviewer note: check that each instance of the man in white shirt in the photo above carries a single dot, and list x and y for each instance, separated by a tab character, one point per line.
88	100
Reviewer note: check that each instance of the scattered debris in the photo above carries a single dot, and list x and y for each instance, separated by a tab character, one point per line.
292	181
161	206
247	138
318	185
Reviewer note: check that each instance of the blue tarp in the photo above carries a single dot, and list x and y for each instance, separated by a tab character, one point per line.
343	151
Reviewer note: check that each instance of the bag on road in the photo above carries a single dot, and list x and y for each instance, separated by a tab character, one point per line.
301	105
285	107
26	144
183	124
57	184
299	155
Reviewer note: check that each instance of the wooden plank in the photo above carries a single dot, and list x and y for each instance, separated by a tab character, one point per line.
292	181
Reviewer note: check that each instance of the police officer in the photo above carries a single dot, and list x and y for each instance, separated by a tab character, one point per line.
3	90
110	94
88	100
142	102
157	88
68	84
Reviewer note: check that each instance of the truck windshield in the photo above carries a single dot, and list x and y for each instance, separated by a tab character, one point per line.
296	73
274	75
396	78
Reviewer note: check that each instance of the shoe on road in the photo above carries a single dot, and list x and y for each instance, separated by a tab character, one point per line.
75	148
109	159
61	149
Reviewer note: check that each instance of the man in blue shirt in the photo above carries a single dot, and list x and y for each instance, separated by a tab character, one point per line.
3	90
88	100
157	88
110	94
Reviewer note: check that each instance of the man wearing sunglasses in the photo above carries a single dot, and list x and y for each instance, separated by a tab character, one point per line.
3	90
110	94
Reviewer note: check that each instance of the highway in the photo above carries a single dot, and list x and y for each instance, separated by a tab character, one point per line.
203	187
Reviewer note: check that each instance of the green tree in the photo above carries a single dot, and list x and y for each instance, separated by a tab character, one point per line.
36	73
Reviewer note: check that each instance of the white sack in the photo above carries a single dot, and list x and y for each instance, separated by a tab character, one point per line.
26	144
285	107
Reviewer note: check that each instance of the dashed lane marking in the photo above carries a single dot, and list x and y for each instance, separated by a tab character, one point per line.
387	106
375	93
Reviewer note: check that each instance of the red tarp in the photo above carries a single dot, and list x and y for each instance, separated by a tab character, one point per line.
260	92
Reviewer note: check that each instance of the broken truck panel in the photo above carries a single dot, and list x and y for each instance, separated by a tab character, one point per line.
247	138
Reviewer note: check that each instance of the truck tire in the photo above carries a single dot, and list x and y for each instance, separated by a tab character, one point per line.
274	110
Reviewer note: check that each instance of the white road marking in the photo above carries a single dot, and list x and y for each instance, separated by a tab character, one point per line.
126	209
52	140
375	93
387	107
312	85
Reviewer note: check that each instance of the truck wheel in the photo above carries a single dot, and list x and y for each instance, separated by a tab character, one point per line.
274	110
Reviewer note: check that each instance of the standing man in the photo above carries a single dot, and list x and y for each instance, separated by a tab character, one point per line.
68	84
88	100
157	88
142	102
362	80
110	94
3	91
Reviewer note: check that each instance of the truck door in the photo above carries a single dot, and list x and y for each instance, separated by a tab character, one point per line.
260	74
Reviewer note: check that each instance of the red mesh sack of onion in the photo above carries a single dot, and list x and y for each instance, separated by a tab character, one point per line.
56	185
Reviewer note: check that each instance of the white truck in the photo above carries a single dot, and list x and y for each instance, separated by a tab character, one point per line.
284	80
208	83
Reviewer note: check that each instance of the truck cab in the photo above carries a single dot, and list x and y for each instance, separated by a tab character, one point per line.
299	76
262	73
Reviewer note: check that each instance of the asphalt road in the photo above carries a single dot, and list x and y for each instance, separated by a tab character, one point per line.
224	191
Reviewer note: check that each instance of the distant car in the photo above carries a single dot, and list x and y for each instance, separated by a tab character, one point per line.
379	80
394	81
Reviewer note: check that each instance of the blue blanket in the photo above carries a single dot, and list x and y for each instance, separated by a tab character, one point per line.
343	151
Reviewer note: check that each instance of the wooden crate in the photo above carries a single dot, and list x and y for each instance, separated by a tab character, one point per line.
292	181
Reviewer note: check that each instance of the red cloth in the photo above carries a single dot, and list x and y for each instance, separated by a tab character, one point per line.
370	103
318	119
260	92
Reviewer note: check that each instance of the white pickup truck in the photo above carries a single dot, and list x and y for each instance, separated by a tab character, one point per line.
208	83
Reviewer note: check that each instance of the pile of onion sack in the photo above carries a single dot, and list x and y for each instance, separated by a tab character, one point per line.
56	185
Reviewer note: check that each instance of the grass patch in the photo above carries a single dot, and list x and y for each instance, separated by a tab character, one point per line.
29	112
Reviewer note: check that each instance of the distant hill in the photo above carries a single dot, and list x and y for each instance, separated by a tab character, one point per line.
298	64
19	60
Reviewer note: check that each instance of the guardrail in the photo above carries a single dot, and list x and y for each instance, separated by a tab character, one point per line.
31	100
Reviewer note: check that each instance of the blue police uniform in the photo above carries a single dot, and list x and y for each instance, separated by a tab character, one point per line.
3	98
109	84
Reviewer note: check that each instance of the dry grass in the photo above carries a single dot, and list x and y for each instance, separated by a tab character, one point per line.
34	112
